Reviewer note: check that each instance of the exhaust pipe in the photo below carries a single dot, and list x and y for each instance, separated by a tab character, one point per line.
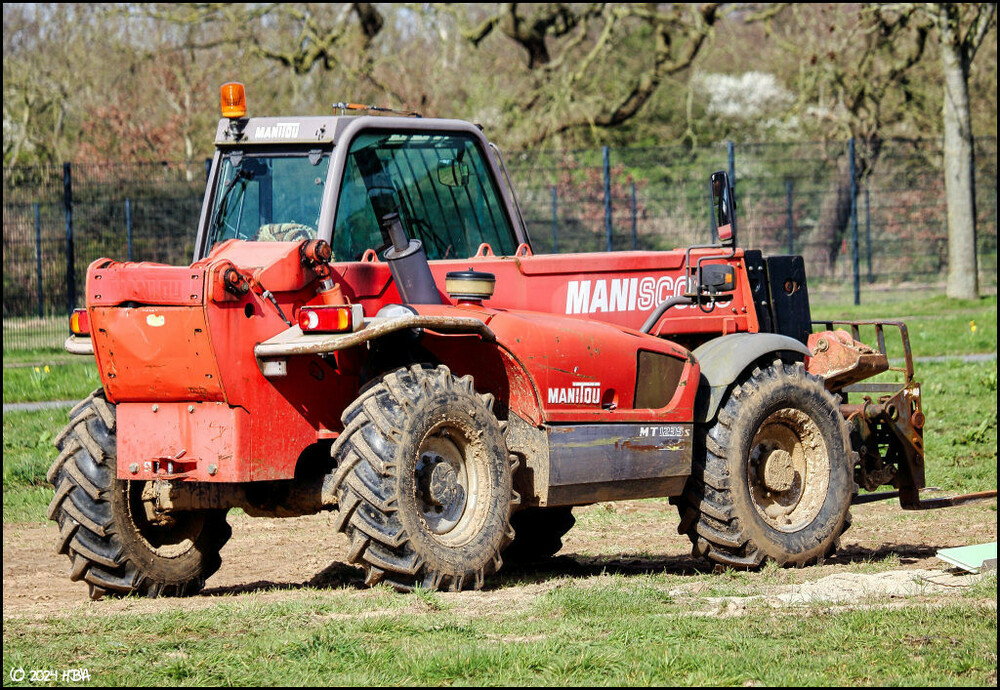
408	264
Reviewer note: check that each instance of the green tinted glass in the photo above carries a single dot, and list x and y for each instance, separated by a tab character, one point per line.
440	185
269	198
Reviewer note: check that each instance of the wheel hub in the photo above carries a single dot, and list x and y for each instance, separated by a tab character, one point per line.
789	470
442	484
168	535
779	473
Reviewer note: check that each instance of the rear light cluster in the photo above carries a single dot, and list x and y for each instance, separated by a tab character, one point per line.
79	322
341	318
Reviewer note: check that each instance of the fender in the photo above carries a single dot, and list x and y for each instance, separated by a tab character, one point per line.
294	342
723	359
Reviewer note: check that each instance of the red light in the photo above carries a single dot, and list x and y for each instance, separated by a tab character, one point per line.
79	322
327	319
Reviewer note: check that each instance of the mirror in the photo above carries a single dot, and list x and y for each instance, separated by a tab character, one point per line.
722	200
453	172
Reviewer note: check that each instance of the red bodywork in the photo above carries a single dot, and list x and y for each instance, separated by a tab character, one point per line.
176	349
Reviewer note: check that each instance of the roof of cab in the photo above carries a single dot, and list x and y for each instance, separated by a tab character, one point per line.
321	129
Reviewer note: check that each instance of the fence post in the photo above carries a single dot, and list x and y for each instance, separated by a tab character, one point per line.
731	155
868	232
128	228
70	259
856	259
635	222
607	196
38	260
555	220
790	220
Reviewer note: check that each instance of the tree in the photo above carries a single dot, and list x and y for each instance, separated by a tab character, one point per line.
41	46
866	75
855	81
961	28
300	38
594	65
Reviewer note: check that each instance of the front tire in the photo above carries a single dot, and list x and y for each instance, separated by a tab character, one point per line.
424	482
774	480
115	542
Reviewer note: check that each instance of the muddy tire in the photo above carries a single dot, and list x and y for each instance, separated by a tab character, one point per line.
113	544
424	482
774	479
538	533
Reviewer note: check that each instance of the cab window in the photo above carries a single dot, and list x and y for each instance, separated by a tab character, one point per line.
440	185
266	197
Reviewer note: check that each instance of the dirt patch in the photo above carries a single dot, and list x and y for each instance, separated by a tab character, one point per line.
888	554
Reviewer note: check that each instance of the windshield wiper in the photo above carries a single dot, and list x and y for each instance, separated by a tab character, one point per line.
241	174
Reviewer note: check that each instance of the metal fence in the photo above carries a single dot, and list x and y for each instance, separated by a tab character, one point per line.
863	218
811	199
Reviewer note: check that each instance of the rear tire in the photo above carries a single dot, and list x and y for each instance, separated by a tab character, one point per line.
113	542
424	482
774	480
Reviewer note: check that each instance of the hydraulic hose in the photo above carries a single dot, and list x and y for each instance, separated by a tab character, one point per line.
661	309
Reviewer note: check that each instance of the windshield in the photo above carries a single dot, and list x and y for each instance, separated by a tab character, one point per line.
441	186
269	197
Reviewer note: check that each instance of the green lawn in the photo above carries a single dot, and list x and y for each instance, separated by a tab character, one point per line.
619	631
937	326
73	380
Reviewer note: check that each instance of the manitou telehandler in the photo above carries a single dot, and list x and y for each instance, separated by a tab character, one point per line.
366	330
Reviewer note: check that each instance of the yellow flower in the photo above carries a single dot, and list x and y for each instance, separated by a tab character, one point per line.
972	326
37	370
46	368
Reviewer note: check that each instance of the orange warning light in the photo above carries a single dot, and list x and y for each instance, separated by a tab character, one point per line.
234	100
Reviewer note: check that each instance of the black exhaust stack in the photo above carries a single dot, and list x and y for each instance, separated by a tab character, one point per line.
408	264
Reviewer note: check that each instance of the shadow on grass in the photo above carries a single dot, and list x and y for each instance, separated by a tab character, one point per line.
578	566
907	553
340	575
337	575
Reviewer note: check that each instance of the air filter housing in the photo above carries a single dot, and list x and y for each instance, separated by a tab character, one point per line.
469	286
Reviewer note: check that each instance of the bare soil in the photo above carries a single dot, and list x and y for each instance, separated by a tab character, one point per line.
887	552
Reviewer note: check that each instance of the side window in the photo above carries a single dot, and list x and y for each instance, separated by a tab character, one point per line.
440	185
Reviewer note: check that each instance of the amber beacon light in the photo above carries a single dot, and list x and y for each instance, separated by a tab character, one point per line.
234	100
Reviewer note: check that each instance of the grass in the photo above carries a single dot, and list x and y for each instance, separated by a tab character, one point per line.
621	632
45	382
937	326
960	437
27	453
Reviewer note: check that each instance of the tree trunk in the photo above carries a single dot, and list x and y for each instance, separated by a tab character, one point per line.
963	274
825	242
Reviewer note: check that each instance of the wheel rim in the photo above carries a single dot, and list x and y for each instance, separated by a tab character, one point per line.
166	535
788	470
447	478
